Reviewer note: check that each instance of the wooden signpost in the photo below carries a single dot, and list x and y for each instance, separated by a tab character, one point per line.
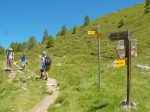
125	35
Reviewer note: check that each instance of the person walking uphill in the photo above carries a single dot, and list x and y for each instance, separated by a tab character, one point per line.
10	58
23	60
46	63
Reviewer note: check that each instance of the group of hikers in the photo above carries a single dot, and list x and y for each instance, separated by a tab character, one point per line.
45	62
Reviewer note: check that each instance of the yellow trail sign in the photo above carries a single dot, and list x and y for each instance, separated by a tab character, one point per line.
91	32
120	63
95	33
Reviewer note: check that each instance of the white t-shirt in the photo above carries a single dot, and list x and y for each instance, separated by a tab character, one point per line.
11	55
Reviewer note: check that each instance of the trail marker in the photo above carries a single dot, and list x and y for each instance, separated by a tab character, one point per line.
91	32
125	35
99	34
120	63
121	48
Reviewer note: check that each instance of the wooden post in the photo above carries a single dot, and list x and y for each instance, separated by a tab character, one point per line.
128	70
99	67
99	56
125	35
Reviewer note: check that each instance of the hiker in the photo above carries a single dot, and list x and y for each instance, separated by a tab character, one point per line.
10	58
46	63
23	60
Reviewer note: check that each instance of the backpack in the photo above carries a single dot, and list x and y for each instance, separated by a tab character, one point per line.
48	61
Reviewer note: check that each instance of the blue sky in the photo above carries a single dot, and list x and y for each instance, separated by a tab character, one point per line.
20	19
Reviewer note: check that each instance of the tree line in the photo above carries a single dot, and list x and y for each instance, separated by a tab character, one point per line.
47	39
32	42
64	29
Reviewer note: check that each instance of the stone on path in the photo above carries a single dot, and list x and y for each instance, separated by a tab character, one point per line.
142	67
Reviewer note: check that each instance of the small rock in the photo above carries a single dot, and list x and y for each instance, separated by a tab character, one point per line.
59	64
132	105
145	72
13	110
142	67
58	105
147	57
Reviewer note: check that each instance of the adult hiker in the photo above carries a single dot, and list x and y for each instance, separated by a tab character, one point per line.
23	60
10	58
46	63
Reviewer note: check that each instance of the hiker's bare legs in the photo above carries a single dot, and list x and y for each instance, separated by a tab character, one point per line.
23	66
9	64
47	74
42	75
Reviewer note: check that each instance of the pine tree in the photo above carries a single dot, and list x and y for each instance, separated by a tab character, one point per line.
147	2
45	36
25	46
86	21
58	34
19	47
74	30
2	50
147	6
31	42
63	30
13	45
50	42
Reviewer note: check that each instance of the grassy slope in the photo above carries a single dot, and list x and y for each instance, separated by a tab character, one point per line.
81	43
78	74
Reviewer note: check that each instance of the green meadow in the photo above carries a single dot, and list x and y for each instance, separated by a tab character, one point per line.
75	66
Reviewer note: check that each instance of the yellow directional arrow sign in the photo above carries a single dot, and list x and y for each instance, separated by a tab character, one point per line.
95	33
120	63
91	32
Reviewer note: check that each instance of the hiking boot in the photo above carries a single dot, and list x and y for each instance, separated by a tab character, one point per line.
46	78
42	77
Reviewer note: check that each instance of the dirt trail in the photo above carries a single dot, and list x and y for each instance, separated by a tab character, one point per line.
11	73
49	99
11	76
52	87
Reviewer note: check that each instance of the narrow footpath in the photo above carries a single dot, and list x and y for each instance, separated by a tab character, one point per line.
49	99
52	88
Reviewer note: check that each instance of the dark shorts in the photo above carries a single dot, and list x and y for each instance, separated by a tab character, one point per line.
47	67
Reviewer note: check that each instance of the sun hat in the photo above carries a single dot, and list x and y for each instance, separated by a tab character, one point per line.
10	49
